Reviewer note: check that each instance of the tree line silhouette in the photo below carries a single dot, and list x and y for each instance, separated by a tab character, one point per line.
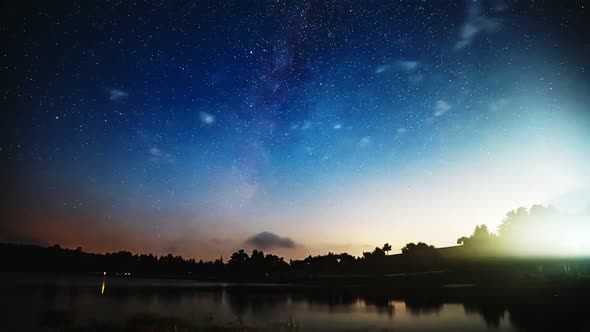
257	265
240	265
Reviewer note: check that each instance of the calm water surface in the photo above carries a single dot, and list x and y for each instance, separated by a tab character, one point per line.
40	304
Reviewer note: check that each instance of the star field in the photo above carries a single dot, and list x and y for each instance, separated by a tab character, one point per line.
189	126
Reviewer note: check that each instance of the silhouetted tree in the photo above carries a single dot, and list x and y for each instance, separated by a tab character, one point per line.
378	253
462	240
512	220
387	248
420	256
416	249
481	238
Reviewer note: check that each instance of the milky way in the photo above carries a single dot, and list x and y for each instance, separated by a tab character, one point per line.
193	126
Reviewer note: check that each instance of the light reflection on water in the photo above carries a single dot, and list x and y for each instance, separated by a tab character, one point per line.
34	303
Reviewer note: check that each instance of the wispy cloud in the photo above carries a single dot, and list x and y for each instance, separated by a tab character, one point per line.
475	23
206	118
365	141
116	94
155	152
159	156
407	65
441	107
400	65
381	69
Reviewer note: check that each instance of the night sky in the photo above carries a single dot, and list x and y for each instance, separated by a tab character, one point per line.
192	126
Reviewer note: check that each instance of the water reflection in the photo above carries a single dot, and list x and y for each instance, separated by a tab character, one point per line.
379	304
492	314
72	304
423	306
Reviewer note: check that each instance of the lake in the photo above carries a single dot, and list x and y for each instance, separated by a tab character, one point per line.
111	304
